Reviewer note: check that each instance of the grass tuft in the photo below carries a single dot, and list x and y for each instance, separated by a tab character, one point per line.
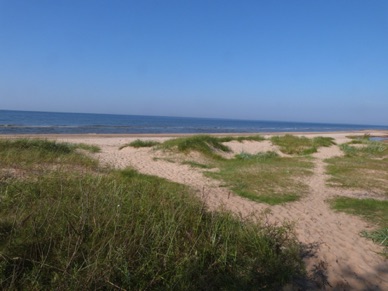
207	145
141	144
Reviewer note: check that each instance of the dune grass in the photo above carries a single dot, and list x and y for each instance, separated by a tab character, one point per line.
205	144
363	167
372	210
294	145
75	230
241	138
141	144
265	177
34	156
197	165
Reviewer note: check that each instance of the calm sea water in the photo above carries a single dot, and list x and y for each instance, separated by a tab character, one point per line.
26	122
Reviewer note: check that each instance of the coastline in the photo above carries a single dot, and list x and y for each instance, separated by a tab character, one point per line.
372	132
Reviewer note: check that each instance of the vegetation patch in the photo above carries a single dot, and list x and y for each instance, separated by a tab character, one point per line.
294	145
197	165
241	138
141	144
372	210
205	144
265	177
362	167
36	155
125	230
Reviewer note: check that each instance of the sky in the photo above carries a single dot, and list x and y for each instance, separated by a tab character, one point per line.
300	60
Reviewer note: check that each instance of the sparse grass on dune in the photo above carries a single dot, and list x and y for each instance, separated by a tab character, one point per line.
197	165
141	144
362	167
365	168
265	177
124	230
42	155
205	144
294	145
374	211
241	138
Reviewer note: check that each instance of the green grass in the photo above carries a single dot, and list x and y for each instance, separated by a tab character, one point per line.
265	177
197	165
124	230
294	145
241	138
363	168
205	144
141	144
374	211
36	155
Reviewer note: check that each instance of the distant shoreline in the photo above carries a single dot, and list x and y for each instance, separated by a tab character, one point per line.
170	135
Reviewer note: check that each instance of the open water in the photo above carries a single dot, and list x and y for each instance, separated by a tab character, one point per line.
28	122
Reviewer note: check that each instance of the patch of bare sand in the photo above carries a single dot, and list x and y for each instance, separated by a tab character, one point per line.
340	259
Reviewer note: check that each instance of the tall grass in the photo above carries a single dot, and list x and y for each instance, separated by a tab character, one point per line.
35	155
123	230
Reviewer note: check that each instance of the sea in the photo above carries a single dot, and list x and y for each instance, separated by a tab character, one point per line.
32	122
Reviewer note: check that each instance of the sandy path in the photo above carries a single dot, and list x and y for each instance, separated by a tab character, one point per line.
342	259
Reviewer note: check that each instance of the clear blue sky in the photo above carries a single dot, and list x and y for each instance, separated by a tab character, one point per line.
312	60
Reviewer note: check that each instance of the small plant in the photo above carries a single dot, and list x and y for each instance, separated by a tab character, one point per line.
140	144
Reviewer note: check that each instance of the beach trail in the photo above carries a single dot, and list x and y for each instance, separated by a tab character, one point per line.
337	257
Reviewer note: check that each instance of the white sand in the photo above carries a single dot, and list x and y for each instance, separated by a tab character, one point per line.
349	260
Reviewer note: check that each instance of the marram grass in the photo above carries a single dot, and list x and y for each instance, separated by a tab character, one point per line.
123	230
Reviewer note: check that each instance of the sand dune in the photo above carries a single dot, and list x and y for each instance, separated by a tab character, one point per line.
339	257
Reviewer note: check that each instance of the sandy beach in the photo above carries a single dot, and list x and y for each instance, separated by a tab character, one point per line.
338	255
